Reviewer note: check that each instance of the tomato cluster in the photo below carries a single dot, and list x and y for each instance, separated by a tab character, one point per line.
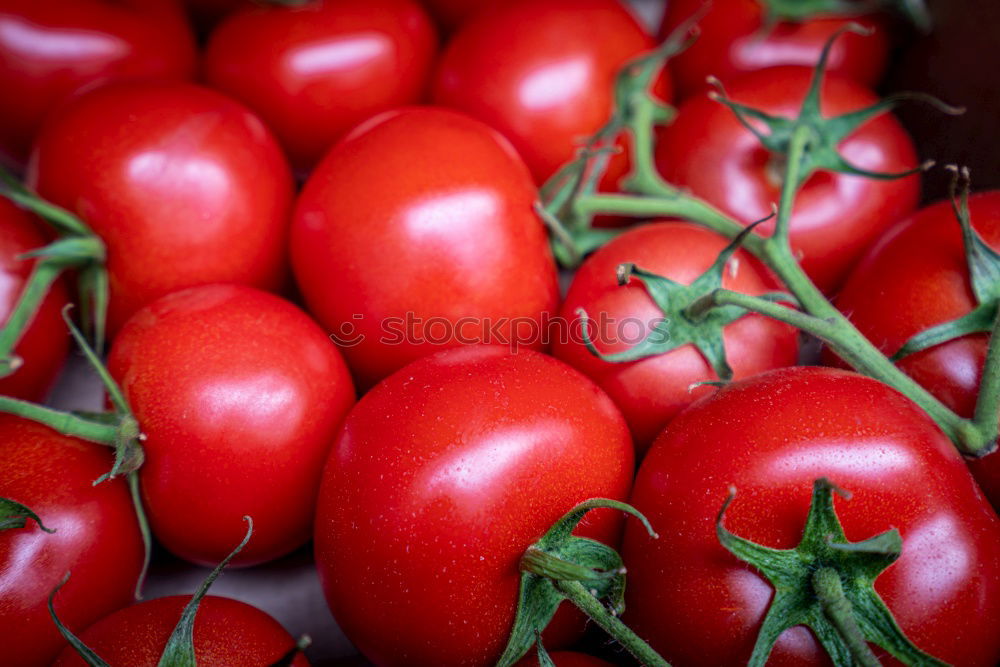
362	274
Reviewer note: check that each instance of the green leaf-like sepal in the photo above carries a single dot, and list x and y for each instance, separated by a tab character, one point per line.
796	11
14	515
559	557
827	584
82	649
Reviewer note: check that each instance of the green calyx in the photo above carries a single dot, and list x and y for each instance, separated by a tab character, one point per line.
684	321
827	584
14	515
591	575
796	11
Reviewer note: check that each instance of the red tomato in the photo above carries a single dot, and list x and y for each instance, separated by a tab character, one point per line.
96	538
227	633
314	71
417	232
542	72
771	436
566	659
239	395
651	391
44	344
836	216
185	186
442	476
915	278
733	40
452	13
52	49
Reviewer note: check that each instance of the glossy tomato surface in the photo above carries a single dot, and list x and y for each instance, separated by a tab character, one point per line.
239	395
227	633
44	344
836	216
185	186
733	40
542	72
314	71
50	50
418	232
96	539
443	475
770	437
915	278
651	391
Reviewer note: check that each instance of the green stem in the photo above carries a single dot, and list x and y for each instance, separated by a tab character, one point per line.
988	401
830	591
576	593
62	422
645	177
790	188
147	536
39	282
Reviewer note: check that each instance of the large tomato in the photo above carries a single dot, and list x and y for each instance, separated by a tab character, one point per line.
227	633
45	342
651	391
542	72
314	71
442	476
185	186
417	232
733	40
96	538
239	395
836	216
52	49
915	278
771	436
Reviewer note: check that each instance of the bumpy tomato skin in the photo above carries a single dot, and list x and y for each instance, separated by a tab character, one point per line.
44	343
313	72
650	392
227	633
732	40
97	540
51	50
185	186
421	214
239	395
770	436
442	476
836	216
917	277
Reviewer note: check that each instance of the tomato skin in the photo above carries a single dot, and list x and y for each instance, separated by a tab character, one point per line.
442	476
427	212
185	186
227	633
53	49
553	87
97	539
239	395
650	392
914	278
45	342
733	41
452	13
771	436
314	72
836	216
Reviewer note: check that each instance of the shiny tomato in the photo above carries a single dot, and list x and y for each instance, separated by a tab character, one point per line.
542	72
44	344
915	278
733	40
417	232
314	71
96	538
227	633
442	476
771	436
836	216
239	395
185	186
651	391
52	49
